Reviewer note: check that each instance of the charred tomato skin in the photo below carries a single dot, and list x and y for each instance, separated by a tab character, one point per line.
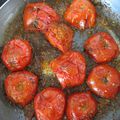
70	69
20	87
101	47
17	54
81	14
37	16
60	36
104	81
49	104
81	106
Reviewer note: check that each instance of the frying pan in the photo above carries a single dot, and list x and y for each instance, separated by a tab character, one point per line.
11	25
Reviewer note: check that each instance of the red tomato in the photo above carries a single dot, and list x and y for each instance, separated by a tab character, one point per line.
101	47
49	104
104	81
81	106
81	14
17	54
60	36
70	69
37	16
21	87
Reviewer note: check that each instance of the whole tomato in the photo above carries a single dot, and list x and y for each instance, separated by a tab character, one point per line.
70	69
60	36
21	87
17	54
81	106
37	16
49	104
81	14
104	81
101	47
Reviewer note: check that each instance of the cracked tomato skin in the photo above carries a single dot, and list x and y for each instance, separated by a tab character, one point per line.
101	47
104	81
37	16
17	54
49	104
81	106
70	69
81	14
21	87
60	36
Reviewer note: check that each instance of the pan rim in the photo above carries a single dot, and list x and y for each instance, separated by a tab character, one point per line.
4	4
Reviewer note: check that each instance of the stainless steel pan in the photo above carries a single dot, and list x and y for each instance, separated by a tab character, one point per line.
11	25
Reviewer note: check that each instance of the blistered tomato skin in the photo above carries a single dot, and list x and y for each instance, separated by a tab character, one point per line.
37	16
17	54
104	81
81	106
60	36
81	14
49	104
101	47
70	69
21	87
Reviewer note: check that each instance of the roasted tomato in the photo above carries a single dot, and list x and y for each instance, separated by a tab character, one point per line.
70	69
81	106
81	14
104	81
60	36
21	87
37	16
101	47
49	104
17	54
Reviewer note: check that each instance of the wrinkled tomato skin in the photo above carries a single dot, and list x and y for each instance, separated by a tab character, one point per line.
49	104
70	69
101	47
37	16
21	87
81	14
81	106
104	81
17	54
60	36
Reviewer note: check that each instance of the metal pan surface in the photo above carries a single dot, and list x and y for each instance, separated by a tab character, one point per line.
11	24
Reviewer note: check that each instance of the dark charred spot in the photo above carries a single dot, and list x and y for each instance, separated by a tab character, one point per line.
105	80
84	50
12	64
32	80
35	24
105	45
